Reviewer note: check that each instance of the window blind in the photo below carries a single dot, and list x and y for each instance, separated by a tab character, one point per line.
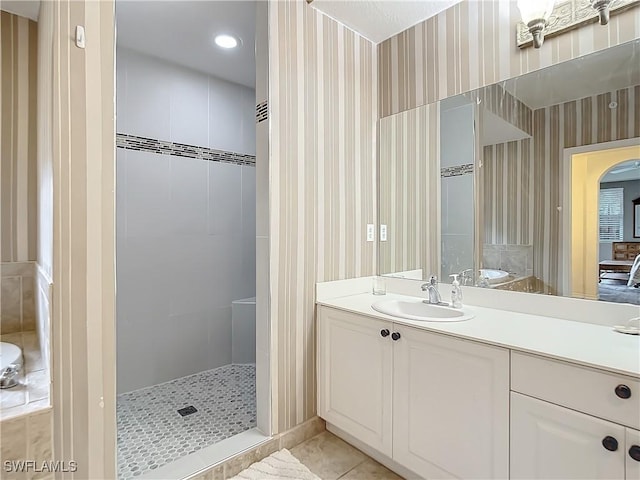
611	219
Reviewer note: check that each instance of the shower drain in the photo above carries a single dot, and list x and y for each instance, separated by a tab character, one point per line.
187	410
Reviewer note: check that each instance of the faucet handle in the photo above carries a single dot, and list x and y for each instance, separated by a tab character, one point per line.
433	280
466	276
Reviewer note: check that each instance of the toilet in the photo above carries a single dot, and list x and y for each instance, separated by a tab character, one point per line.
10	364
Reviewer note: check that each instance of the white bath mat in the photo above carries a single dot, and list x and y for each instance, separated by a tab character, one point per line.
280	465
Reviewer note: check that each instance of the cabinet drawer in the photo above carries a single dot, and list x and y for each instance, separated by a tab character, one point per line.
586	390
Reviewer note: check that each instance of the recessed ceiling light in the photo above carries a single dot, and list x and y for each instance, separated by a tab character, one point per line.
226	41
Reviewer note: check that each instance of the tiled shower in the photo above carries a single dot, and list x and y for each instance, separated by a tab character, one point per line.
186	236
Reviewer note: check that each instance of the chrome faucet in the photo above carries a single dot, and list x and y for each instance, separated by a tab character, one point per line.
434	294
9	376
466	277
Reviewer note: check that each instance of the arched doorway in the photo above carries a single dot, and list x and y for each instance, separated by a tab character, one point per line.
588	170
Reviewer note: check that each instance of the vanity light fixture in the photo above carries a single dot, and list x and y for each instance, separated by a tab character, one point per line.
535	14
602	7
226	41
542	19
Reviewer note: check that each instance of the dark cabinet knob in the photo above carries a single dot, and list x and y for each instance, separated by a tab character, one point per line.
623	391
395	335
634	452
610	443
384	332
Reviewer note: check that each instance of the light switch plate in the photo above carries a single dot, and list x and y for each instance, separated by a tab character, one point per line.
383	233
371	232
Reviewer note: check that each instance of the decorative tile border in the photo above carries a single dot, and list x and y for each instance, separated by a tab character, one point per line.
456	171
262	112
131	142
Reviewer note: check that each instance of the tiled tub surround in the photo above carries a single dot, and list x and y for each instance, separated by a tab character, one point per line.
151	432
17	298
32	393
515	259
27	437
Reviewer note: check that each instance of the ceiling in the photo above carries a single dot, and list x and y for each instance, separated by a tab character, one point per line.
182	32
629	170
377	20
493	129
23	8
600	72
496	130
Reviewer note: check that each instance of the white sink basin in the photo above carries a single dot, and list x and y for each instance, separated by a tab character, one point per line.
418	310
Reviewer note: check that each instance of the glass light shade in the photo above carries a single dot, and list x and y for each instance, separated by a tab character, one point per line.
226	41
531	10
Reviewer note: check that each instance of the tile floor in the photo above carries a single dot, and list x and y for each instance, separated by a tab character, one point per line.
33	392
330	458
152	433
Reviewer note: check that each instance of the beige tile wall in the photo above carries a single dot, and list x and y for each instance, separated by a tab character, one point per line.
18	54
17	297
322	109
472	45
26	438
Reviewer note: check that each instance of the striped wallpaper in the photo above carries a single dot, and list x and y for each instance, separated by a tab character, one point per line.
18	189
472	45
81	85
322	108
523	179
406	141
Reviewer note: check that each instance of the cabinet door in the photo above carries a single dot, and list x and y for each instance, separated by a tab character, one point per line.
552	442
354	375
451	406
632	448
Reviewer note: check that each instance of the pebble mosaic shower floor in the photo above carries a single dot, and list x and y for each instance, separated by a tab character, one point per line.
152	433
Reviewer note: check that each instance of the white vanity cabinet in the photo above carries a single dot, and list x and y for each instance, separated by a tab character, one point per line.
436	405
450	406
502	395
355	377
572	422
632	457
551	442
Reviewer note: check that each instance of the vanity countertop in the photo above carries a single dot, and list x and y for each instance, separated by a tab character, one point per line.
581	343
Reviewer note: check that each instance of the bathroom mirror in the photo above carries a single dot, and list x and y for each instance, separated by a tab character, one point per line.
504	182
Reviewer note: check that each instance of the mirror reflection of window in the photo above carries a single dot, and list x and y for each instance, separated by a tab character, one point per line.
611	215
